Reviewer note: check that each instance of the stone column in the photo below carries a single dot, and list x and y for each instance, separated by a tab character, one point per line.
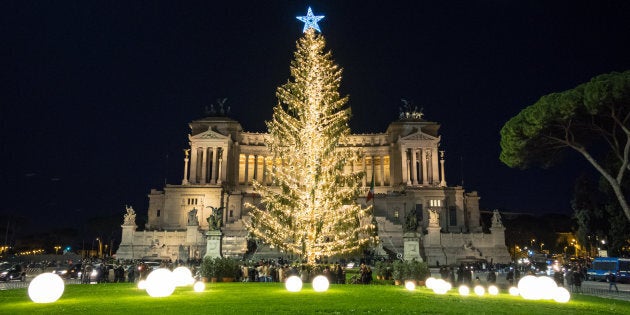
185	180
364	169
404	163
414	167
213	174
225	156
382	170
255	167
425	166
204	165
193	165
435	168
246	169
407	172
219	181
442	177
373	168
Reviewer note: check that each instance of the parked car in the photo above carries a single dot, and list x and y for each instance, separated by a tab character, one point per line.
15	272
70	272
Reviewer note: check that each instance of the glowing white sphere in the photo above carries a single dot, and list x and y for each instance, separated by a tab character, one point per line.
547	287
447	285
183	276
429	283
479	290
46	288
528	288
440	286
464	290
514	291
561	295
410	285
320	284
142	284
493	290
199	286
293	284
160	283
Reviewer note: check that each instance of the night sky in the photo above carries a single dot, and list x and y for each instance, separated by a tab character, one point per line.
96	97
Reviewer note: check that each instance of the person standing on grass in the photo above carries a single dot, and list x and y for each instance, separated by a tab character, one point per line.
492	277
577	281
569	277
612	281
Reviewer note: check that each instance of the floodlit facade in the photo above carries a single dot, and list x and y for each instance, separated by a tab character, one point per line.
409	177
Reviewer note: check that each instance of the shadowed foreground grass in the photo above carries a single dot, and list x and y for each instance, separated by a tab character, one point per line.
272	298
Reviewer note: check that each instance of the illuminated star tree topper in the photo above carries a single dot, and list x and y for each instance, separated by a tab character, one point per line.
310	20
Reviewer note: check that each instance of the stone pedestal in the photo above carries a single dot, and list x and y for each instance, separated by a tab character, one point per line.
125	249
412	246
213	244
433	249
433	237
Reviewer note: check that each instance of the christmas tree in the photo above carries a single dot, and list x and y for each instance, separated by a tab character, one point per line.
311	210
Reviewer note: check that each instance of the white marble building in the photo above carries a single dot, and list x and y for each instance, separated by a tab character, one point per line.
408	170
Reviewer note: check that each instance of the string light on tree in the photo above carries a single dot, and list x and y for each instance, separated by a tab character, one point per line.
310	210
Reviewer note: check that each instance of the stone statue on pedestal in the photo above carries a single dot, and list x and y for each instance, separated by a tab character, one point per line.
496	219
215	220
192	217
130	216
434	217
411	221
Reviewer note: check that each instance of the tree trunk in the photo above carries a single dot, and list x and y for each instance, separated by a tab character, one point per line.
616	186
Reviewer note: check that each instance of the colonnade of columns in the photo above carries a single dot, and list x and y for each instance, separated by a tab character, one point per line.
254	168
258	169
206	165
380	170
420	166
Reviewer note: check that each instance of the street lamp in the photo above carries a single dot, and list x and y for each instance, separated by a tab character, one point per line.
541	246
57	247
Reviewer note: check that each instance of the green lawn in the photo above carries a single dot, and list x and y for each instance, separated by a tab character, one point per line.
272	298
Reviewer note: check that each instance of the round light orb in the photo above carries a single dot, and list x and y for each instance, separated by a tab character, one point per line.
493	290
528	288
429	283
160	283
514	291
183	276
46	288
199	286
410	285
293	284
464	290
479	290
547	287
561	295
142	284
440	286
320	284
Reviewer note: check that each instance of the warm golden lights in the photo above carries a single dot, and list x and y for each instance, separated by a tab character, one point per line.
310	209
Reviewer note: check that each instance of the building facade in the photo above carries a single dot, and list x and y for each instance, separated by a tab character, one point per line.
409	179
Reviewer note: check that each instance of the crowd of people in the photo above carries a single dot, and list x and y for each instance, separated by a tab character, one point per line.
570	276
271	271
